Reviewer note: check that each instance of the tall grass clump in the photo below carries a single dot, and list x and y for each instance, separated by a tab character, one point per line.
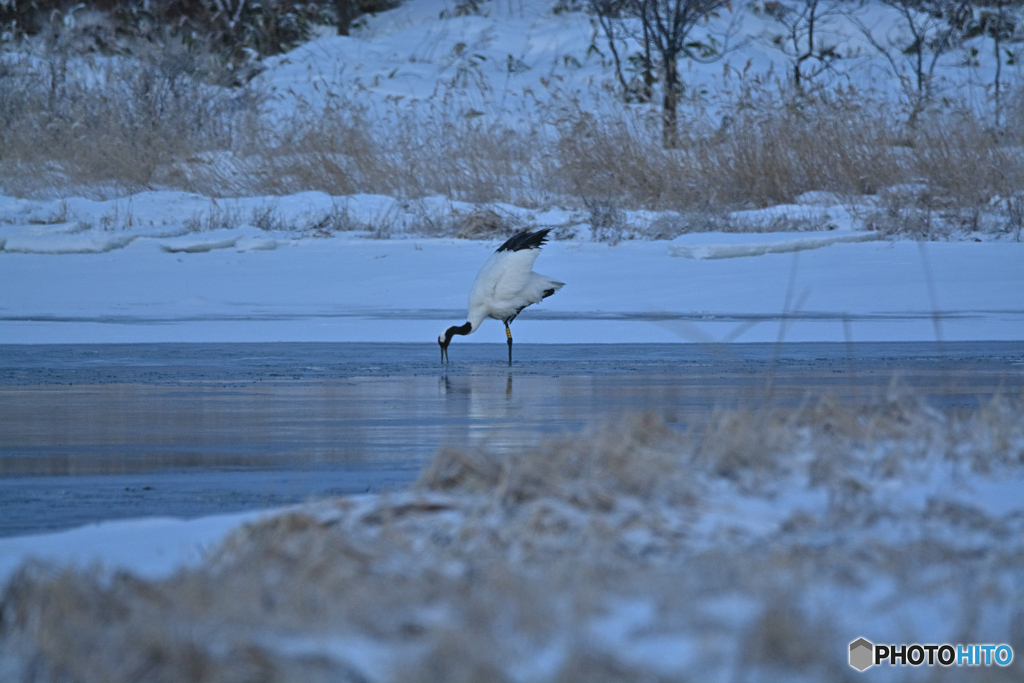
110	122
343	148
963	160
769	151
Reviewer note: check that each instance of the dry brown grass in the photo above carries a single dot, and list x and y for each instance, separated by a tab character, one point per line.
56	130
342	148
156	125
630	552
766	155
772	151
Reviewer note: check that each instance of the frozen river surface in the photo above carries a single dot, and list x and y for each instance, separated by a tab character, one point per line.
93	432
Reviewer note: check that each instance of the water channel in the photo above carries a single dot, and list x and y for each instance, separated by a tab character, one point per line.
93	432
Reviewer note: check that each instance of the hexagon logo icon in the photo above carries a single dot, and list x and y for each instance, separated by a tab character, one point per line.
862	654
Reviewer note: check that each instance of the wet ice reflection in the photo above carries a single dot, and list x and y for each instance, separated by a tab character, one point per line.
92	433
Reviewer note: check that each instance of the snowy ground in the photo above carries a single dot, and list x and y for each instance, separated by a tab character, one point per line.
134	271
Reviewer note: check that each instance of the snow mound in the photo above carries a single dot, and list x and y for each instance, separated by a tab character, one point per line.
153	547
768	243
65	238
241	240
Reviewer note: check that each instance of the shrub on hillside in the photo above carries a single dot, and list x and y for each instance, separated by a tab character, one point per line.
238	31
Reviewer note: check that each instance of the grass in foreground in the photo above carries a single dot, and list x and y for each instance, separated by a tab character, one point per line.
750	546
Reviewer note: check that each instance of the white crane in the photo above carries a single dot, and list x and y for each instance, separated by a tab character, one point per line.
505	285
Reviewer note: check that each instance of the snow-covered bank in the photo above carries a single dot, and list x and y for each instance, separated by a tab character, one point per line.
149	279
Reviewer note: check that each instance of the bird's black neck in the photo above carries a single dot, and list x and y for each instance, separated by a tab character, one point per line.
452	331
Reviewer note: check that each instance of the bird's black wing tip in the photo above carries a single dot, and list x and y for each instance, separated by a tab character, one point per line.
525	240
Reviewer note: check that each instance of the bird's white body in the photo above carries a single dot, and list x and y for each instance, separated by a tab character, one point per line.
505	285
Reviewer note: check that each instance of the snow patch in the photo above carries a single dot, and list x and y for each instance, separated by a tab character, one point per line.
199	243
153	547
769	243
67	238
368	658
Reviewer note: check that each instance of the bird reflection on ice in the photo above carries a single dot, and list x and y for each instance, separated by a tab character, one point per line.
488	412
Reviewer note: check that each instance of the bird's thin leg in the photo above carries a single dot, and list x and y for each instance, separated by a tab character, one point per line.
508	333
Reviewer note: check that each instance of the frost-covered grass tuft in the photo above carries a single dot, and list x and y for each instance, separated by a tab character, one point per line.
755	544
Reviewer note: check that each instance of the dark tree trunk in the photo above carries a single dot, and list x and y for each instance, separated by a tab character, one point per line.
670	102
997	44
346	13
649	78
